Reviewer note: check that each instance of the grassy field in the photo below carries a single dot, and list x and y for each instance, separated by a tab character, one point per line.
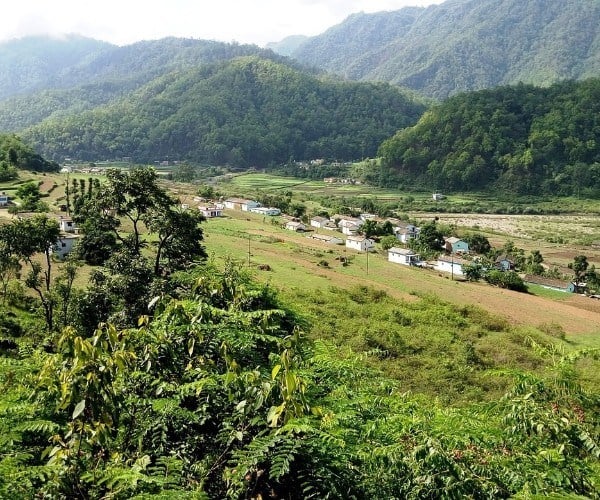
297	263
418	325
253	182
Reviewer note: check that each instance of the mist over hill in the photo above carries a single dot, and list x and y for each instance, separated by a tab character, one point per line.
75	74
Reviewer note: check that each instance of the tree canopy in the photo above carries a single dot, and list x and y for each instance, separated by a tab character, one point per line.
244	112
520	139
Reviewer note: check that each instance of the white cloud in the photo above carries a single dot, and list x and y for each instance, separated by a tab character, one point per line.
126	21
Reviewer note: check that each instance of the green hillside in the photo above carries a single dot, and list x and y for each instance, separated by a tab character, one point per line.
519	139
248	111
464	45
15	155
94	74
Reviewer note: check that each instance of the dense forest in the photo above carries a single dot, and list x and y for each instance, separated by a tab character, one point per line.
245	112
463	45
42	76
520	139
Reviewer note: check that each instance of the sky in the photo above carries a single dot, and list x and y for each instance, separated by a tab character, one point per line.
126	21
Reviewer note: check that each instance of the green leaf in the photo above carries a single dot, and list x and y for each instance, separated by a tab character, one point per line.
78	409
275	371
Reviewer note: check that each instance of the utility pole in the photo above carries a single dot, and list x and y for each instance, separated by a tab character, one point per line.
248	249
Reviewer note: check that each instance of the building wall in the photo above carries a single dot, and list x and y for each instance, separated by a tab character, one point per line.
447	267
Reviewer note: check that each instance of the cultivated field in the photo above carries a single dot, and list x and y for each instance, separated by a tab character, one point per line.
296	262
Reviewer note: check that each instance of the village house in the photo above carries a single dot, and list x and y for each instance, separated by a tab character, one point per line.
295	226
318	221
505	263
438	196
453	265
456	245
3	199
553	284
67	225
406	232
360	243
332	240
210	212
403	256
349	225
64	245
241	204
270	211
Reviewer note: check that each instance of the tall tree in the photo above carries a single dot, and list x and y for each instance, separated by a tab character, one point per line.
133	195
579	267
27	238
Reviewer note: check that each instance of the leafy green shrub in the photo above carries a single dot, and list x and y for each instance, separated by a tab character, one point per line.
505	279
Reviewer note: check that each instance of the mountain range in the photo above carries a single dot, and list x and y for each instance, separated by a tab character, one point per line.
462	45
337	95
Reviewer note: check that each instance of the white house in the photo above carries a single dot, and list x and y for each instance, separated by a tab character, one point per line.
270	211
350	229
406	232
3	199
325	238
64	245
249	205
241	204
295	226
318	221
350	225
403	256
360	243
452	265
438	196
66	225
210	212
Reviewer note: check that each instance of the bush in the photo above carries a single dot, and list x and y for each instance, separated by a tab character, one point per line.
506	279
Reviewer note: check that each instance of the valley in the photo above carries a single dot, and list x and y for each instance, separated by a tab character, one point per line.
367	266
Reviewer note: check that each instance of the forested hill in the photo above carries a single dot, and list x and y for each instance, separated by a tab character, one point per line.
38	63
464	45
42	77
248	111
519	139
